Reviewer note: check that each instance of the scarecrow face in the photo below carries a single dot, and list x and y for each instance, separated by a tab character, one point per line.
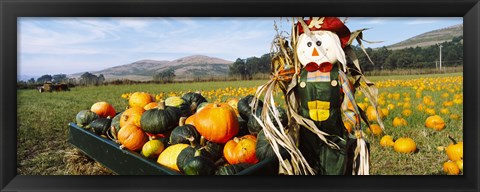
319	47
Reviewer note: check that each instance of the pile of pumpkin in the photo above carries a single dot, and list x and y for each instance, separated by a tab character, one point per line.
186	134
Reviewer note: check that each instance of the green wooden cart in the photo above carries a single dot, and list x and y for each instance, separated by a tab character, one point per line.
126	162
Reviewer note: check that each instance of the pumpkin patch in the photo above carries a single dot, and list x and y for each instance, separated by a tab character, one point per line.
401	118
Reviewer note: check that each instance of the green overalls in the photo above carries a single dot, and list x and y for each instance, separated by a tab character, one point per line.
320	100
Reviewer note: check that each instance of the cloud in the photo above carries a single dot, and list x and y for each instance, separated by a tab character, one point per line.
135	23
63	36
226	37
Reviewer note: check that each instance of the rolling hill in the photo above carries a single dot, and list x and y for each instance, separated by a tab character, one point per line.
186	68
430	38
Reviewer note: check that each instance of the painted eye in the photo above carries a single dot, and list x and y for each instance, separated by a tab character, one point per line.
319	43
309	44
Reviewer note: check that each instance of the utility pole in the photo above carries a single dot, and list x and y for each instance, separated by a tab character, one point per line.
440	56
245	69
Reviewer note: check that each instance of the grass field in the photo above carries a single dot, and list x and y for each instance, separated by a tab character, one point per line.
43	117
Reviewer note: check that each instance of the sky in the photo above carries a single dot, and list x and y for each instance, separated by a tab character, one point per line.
69	45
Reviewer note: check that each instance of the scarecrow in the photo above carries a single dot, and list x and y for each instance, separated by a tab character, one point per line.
318	74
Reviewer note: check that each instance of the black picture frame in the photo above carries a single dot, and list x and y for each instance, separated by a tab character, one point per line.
10	10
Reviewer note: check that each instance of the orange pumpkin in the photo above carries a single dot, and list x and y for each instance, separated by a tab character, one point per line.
132	137
103	109
455	150
387	141
398	121
405	145
217	122
150	105
451	168
372	113
406	112
375	129
435	122
131	116
139	99
191	120
241	150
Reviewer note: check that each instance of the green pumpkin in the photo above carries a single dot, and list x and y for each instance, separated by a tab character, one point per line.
253	126
116	121
194	100
283	116
100	126
165	141
180	103
85	117
160	119
189	152
263	149
114	127
215	150
242	127
199	165
184	133
243	106
232	169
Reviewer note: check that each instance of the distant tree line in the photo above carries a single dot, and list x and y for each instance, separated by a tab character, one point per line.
248	67
85	79
58	78
412	58
91	79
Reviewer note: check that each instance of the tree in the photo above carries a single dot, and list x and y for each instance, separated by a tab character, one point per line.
265	63
101	79
239	67
165	76
44	78
88	79
59	78
248	67
379	57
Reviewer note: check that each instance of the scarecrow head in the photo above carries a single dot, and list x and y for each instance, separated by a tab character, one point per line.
320	43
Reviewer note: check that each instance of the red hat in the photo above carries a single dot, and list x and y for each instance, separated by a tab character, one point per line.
332	24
